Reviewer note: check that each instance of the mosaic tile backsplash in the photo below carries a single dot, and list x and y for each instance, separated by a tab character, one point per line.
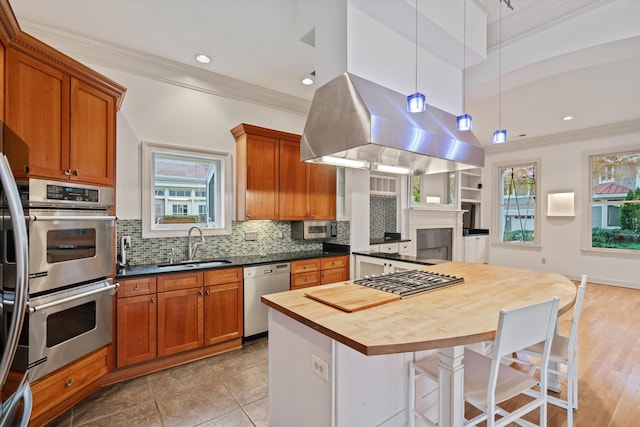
382	216
157	250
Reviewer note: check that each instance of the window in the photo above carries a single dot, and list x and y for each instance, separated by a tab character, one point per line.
517	208
184	187
615	201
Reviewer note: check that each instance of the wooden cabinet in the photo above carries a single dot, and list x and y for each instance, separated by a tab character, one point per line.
319	271
176	312
307	190
271	181
136	311
334	269
71	383
222	305
66	116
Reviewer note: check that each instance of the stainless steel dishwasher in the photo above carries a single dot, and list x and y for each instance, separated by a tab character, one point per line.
261	280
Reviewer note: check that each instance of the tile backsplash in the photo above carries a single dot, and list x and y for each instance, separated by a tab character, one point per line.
156	250
382	216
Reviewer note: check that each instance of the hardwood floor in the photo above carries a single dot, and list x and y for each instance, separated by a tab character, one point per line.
609	360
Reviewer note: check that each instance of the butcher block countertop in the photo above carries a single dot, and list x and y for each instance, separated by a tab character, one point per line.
459	314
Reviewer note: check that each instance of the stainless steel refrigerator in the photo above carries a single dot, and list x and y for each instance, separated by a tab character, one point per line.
14	276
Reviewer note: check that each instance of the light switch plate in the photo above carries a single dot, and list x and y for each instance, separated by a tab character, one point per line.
250	235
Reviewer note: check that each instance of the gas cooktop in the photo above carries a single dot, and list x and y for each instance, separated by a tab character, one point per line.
409	283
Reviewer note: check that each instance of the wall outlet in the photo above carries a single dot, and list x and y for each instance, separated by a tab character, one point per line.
250	235
543	260
320	367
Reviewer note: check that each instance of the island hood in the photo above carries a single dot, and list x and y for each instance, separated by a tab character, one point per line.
355	119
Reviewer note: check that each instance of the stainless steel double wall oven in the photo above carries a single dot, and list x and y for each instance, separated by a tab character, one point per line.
70	239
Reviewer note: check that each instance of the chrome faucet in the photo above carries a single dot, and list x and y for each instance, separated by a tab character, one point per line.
193	248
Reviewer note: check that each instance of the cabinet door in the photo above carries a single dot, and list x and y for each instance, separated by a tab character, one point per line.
262	163
294	201
136	329
180	321
37	109
92	135
322	191
222	313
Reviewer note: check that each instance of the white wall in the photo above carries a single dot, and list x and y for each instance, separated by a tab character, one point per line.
561	168
161	112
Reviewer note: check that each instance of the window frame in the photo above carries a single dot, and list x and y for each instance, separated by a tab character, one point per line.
225	192
587	223
497	203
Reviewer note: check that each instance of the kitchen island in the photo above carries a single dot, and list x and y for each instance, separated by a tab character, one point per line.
331	367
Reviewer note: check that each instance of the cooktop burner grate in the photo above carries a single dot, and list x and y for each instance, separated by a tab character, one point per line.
409	283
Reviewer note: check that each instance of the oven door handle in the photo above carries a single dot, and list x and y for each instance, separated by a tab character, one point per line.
34	308
73	218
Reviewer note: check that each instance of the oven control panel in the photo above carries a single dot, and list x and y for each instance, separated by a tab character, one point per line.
77	194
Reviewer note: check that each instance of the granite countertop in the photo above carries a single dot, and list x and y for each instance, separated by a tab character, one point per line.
402	257
385	240
235	261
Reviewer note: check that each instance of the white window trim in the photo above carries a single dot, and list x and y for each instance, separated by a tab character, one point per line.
495	217
148	193
586	248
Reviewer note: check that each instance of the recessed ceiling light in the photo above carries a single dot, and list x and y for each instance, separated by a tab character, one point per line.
307	81
202	58
567	118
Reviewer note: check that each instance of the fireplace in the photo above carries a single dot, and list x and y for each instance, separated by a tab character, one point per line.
434	243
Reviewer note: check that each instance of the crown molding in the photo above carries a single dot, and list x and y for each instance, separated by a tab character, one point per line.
596	132
164	70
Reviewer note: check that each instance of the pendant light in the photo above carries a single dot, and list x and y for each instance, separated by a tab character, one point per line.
416	102
464	121
500	135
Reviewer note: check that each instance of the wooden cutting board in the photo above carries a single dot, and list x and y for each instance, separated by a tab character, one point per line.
351	297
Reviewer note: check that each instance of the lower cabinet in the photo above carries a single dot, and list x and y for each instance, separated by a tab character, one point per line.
73	382
319	271
368	266
476	248
177	312
136	332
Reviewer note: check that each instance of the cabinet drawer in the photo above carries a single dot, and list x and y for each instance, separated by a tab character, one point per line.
334	262
62	384
305	265
305	279
173	282
404	247
135	287
222	275
334	275
389	248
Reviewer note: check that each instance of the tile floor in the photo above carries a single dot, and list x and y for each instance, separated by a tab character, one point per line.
230	389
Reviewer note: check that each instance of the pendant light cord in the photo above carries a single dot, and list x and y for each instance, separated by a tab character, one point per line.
464	58
500	71
416	46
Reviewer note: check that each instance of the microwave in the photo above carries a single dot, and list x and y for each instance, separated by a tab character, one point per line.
306	230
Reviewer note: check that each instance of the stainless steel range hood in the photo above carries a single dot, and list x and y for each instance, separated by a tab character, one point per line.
355	119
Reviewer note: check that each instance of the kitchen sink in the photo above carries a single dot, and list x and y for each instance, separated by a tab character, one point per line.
196	263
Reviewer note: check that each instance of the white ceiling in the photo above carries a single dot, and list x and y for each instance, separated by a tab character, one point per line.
559	57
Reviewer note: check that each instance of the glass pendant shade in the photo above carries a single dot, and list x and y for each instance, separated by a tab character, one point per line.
500	136
416	103
464	122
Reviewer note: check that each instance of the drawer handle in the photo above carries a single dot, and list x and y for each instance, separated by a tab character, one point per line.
153	300
69	382
200	293
76	172
67	172
136	288
306	266
208	292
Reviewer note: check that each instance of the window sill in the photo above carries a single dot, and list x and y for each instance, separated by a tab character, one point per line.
615	253
503	245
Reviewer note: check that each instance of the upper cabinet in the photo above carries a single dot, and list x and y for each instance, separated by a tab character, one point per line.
64	111
68	124
273	184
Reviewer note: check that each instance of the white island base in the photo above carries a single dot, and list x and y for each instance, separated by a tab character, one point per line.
356	390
